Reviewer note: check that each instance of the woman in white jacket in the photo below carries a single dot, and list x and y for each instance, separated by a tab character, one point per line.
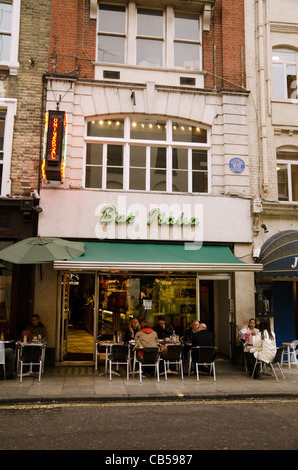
264	345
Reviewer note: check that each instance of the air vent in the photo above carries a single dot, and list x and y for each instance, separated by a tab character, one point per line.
111	74
187	81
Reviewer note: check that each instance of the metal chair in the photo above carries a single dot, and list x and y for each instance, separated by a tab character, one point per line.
204	356
2	358
148	357
120	354
31	356
100	350
174	356
276	361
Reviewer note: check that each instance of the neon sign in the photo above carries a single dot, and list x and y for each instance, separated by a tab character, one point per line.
53	165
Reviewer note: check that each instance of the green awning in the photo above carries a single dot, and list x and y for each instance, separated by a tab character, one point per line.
153	256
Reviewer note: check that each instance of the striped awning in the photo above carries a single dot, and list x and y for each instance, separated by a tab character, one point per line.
155	256
279	255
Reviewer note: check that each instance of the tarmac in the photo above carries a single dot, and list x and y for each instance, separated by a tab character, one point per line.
81	383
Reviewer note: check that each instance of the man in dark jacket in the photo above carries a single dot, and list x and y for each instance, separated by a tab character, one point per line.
162	329
203	337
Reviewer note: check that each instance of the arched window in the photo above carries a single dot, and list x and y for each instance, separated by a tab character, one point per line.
284	64
143	154
287	174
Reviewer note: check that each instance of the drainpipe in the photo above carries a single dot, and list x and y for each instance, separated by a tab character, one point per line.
263	130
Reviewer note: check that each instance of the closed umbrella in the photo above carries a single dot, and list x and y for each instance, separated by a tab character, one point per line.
37	250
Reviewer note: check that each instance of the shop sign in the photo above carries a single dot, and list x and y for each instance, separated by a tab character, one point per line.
109	215
154	221
53	165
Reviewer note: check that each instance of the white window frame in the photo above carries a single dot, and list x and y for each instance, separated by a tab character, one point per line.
284	64
288	163
9	107
168	39
168	143
12	64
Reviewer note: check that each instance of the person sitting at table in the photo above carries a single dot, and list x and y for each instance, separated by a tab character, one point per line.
145	338
162	329
189	332
10	363
263	347
130	333
36	328
203	337
246	334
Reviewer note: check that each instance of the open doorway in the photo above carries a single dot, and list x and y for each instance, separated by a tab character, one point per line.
78	321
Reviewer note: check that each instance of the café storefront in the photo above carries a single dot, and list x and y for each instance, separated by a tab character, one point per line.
116	281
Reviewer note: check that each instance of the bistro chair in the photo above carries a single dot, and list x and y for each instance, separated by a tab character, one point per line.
148	357
174	356
204	356
101	350
31	356
2	358
120	354
276	362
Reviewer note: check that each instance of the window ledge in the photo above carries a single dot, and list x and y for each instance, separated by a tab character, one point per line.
11	66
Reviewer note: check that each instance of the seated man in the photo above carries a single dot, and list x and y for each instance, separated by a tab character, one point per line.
203	337
162	329
36	328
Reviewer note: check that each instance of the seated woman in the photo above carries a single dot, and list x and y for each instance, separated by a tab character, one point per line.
145	338
247	333
263	347
130	333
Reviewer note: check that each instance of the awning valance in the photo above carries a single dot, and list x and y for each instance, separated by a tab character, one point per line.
153	256
279	255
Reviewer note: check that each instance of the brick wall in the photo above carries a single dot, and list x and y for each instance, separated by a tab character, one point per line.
26	87
73	42
222	46
73	38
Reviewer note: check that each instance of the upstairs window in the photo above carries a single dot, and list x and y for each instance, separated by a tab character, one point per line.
9	35
284	63
111	34
157	38
143	154
287	176
5	30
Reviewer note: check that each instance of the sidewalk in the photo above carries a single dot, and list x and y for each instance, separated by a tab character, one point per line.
83	383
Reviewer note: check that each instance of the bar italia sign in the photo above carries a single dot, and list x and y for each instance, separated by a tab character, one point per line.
156	221
110	215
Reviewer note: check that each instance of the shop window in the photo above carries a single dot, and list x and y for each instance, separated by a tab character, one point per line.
287	176
146	155
149	37
284	63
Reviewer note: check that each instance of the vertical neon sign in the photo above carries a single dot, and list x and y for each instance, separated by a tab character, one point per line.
54	151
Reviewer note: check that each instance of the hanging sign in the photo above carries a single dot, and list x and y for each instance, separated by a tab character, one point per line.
54	141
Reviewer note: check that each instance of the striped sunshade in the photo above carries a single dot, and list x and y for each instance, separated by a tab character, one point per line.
279	255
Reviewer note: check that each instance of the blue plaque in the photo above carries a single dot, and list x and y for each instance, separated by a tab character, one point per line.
237	165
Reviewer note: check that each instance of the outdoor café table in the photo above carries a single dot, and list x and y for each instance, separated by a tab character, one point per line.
21	345
108	345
